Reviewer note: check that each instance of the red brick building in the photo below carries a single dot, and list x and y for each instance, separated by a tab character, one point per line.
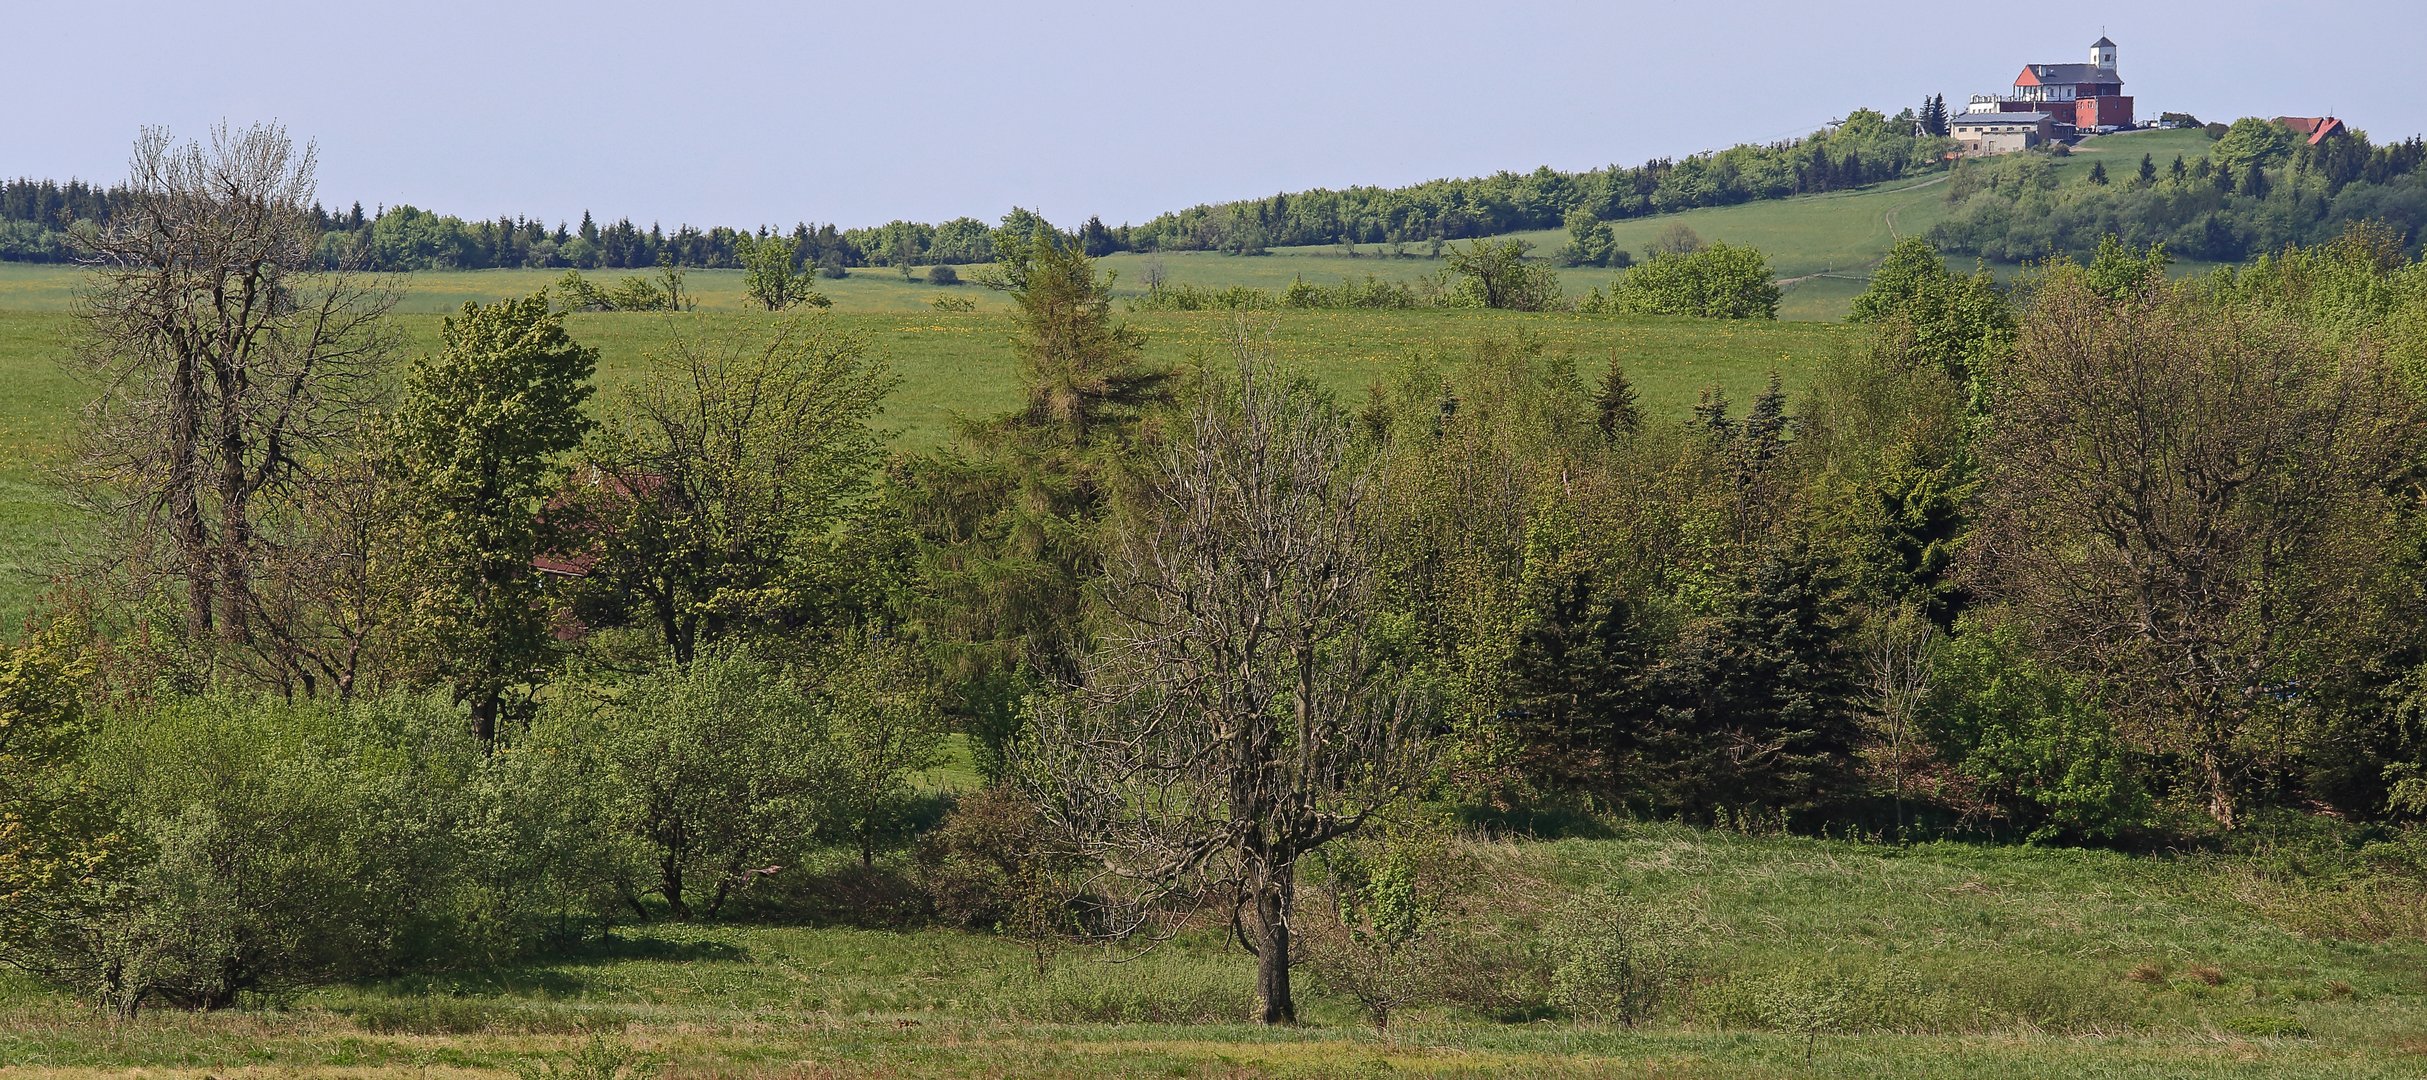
2088	97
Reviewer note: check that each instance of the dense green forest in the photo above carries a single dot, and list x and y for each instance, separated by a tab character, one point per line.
36	216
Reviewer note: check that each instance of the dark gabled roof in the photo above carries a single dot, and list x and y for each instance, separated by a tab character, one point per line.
2074	75
2102	43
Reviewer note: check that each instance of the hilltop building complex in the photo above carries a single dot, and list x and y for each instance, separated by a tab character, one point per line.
2048	101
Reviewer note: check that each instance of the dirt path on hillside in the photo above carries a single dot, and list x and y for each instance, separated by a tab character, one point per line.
1890	216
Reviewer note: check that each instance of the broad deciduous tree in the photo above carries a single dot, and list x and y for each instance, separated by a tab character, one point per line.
2188	501
723	495
772	275
716	771
479	438
1494	274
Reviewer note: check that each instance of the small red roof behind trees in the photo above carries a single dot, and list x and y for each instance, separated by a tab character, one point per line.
588	483
2315	128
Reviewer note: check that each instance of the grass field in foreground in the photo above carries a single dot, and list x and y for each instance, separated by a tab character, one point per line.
1940	960
950	364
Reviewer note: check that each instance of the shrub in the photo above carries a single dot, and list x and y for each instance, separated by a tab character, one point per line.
986	865
573	292
639	294
262	846
716	774
1371	292
2045	757
1717	281
943	275
1615	958
1199	298
1807	1004
1391	919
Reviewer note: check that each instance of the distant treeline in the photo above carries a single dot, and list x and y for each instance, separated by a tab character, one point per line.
2259	190
37	217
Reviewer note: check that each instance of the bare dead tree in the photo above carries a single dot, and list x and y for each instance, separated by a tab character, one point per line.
1897	659
2191	502
228	368
1238	717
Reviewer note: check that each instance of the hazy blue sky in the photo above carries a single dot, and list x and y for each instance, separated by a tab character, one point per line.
741	113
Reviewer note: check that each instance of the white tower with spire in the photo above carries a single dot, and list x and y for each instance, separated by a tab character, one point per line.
2102	54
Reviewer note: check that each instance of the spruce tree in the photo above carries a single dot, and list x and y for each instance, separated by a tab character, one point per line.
1010	515
1615	408
1754	707
1578	677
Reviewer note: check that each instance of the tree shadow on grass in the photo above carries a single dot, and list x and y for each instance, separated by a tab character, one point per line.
562	970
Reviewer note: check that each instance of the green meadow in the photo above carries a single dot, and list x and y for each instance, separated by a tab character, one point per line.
1810	958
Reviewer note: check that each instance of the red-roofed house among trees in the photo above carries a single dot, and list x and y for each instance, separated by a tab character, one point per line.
2086	97
2314	129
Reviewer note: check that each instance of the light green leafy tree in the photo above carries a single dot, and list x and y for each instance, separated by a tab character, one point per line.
480	436
59	849
1716	281
1495	274
716	774
2252	141
884	726
1962	323
772	276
